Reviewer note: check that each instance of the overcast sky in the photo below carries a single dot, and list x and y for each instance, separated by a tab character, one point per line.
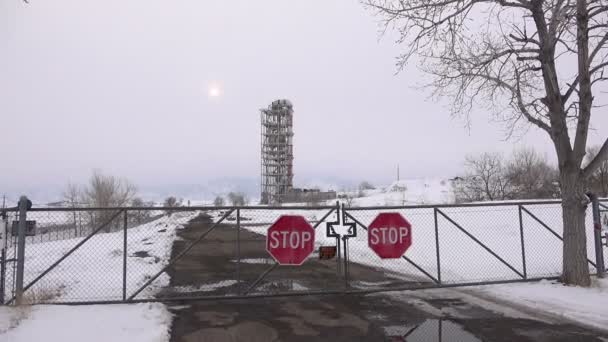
124	86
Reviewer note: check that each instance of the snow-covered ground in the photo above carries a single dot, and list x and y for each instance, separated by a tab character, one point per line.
408	192
94	271
587	306
94	323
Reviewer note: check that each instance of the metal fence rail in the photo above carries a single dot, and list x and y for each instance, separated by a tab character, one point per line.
108	255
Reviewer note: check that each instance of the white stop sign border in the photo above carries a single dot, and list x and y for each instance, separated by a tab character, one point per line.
312	237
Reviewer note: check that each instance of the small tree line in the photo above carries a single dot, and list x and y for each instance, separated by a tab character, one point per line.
234	198
525	174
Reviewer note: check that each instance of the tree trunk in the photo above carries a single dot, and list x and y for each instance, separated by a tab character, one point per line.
574	205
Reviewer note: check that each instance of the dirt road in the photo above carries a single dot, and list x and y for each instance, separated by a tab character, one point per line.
435	315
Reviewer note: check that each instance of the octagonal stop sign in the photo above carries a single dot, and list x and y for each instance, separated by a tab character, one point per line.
389	235
290	240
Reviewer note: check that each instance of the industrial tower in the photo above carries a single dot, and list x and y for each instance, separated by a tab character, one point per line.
277	151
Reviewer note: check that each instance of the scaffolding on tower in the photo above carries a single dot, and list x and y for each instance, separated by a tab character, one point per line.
276	151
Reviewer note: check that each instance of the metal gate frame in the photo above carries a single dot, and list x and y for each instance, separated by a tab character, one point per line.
347	218
132	297
522	276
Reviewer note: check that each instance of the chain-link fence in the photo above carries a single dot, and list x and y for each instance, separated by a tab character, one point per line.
139	254
121	254
469	244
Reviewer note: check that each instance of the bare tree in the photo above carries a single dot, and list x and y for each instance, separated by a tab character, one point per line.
515	57
238	198
219	201
531	176
365	185
72	195
107	191
171	202
484	180
598	182
349	199
139	216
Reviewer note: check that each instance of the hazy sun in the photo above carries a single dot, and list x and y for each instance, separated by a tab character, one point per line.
214	90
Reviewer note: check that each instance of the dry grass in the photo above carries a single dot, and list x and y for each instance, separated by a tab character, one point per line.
22	313
40	294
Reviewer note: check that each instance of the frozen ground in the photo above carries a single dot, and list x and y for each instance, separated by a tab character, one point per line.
94	323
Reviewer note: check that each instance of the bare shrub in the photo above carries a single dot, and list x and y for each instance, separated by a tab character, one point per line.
139	216
171	202
41	294
237	199
484	179
365	185
219	201
71	196
349	199
107	191
530	176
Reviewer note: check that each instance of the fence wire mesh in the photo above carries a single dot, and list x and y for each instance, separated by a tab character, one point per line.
469	244
122	254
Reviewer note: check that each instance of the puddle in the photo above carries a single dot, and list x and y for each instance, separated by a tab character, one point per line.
204	287
431	330
254	261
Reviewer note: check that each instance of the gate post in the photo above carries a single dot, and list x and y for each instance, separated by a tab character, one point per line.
125	225
24	205
3	244
238	251
597	234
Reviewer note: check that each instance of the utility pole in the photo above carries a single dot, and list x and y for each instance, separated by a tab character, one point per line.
397	172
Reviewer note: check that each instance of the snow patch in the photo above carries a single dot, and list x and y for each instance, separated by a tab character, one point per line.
94	323
587	306
204	287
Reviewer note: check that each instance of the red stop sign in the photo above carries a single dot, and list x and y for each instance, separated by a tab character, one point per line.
389	235
290	240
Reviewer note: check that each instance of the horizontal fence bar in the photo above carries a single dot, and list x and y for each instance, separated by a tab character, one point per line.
462	205
299	207
177	209
427	286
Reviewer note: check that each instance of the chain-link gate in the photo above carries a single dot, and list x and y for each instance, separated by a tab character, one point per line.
457	245
112	255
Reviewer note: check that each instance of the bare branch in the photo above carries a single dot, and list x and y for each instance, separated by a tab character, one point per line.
596	163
